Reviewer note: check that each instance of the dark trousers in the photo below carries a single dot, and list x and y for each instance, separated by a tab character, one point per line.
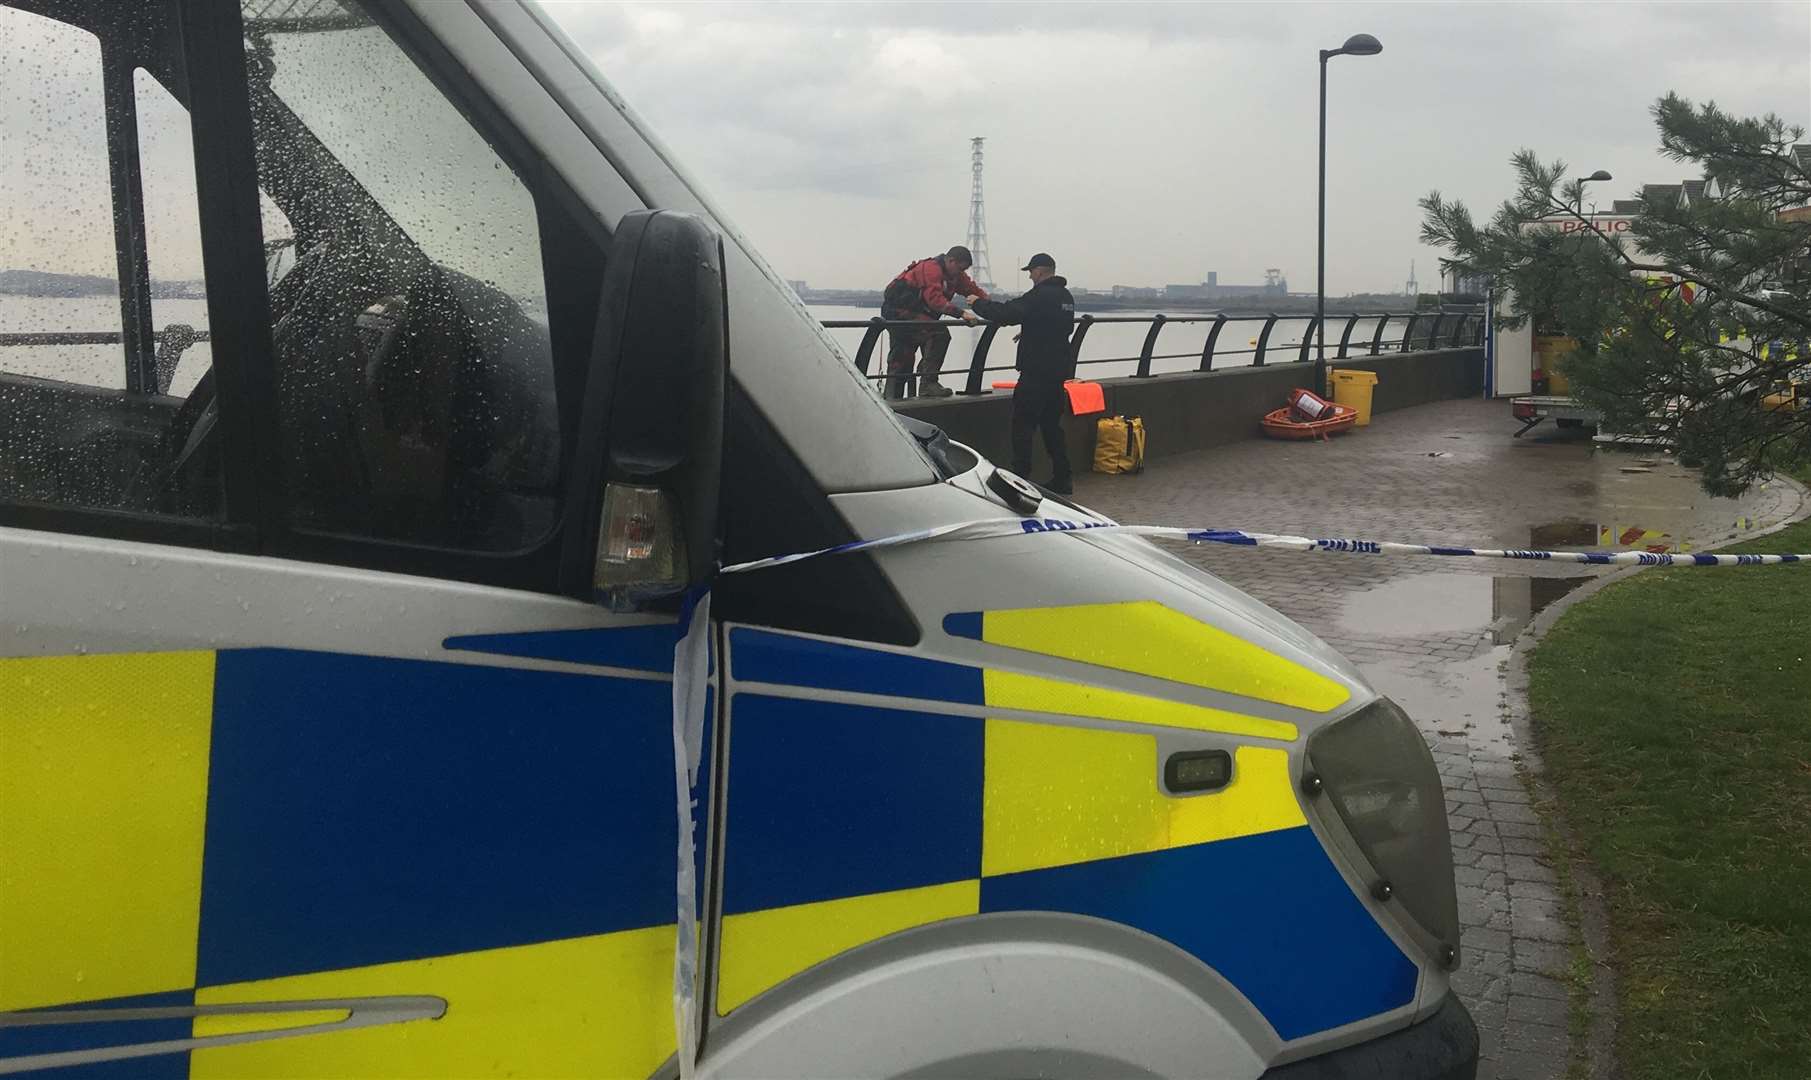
1038	403
902	344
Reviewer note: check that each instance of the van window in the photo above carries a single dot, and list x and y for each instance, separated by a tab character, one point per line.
94	292
414	369
179	310
57	266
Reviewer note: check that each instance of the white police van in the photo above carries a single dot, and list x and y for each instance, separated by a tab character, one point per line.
373	391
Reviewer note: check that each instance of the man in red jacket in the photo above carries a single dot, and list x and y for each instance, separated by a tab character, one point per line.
922	291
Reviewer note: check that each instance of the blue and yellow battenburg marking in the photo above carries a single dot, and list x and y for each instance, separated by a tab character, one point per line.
103	796
1146	638
259	825
1143	638
850	822
272	825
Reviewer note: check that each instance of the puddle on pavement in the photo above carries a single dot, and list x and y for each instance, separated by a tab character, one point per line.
1457	698
1635	499
1601	500
1430	605
1653	502
1460	700
1563	534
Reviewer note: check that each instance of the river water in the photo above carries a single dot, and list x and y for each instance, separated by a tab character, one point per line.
1110	349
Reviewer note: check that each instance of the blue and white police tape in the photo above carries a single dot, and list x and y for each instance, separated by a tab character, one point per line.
995	528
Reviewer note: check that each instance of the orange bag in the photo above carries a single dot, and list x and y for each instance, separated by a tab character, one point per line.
1085	398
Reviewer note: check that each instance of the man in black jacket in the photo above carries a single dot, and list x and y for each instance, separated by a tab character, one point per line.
1047	313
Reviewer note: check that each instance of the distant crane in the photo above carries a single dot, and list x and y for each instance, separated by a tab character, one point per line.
1412	288
982	271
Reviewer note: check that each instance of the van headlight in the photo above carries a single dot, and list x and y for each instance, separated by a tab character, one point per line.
1376	770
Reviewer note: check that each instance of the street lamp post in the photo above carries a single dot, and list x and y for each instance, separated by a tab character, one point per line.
1356	45
1582	181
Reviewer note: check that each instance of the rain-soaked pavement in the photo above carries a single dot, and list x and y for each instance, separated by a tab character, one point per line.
1433	633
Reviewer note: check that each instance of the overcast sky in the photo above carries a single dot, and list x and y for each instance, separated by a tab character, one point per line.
1151	143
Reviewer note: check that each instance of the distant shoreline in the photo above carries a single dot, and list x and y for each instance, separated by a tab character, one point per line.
67	286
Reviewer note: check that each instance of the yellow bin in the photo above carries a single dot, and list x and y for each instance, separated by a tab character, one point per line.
1354	388
1549	350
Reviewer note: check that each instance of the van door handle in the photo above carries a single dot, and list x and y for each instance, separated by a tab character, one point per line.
359	1012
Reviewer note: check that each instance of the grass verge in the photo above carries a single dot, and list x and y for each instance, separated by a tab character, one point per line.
1673	713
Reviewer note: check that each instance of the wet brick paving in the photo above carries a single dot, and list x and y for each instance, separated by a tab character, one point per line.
1433	633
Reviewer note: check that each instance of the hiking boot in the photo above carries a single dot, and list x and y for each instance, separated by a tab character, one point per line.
934	390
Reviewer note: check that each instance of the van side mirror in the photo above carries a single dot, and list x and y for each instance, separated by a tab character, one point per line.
650	449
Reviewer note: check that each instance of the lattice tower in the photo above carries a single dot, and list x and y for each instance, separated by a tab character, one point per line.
982	271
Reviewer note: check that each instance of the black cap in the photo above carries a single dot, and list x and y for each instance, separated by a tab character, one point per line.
960	254
1040	259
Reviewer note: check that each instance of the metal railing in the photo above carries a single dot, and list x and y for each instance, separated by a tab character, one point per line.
168	344
1419	331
